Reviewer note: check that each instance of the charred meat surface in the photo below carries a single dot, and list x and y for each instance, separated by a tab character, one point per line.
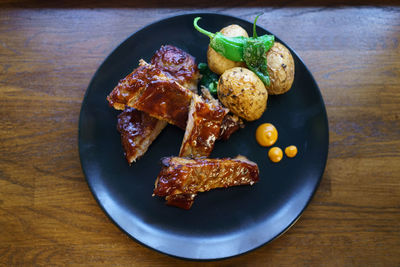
189	176
138	130
150	90
202	128
178	64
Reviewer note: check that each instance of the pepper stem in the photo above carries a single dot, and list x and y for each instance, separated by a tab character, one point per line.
209	34
254	25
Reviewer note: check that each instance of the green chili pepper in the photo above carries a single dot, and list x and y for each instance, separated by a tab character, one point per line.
251	50
209	79
255	56
255	53
229	47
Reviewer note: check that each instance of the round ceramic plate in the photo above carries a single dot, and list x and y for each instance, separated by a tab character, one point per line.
222	222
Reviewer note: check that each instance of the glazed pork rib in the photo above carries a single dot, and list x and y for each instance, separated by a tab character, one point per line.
181	179
230	124
175	63
151	90
202	128
179	65
138	130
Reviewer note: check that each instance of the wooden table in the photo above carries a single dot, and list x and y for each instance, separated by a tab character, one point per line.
48	54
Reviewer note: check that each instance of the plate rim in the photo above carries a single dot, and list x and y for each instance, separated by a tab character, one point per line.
96	197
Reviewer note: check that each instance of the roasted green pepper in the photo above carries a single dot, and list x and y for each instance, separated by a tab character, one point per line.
229	47
255	54
251	50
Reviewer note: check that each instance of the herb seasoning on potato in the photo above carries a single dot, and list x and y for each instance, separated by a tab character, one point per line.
280	69
240	90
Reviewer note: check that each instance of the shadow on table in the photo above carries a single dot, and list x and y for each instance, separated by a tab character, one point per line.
194	4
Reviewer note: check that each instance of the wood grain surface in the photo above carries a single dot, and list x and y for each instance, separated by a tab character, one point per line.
50	50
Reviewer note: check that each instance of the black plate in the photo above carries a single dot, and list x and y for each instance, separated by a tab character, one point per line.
221	223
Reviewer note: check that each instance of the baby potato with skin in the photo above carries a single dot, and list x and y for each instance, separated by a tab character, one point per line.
217	62
240	90
280	65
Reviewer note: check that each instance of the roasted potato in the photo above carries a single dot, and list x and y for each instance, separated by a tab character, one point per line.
240	90
280	69
218	63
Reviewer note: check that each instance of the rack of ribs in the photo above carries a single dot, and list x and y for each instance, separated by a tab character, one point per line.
138	130
181	179
202	128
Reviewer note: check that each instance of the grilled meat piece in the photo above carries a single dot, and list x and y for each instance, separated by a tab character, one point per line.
138	130
181	179
205	93
131	87
178	64
150	90
183	201
230	124
202	128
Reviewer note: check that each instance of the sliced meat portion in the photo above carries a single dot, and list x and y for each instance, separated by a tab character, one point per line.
181	179
230	124
205	93
183	201
179	64
202	128
138	130
150	90
131	87
165	101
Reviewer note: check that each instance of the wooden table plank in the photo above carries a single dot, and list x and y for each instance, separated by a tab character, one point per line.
47	58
